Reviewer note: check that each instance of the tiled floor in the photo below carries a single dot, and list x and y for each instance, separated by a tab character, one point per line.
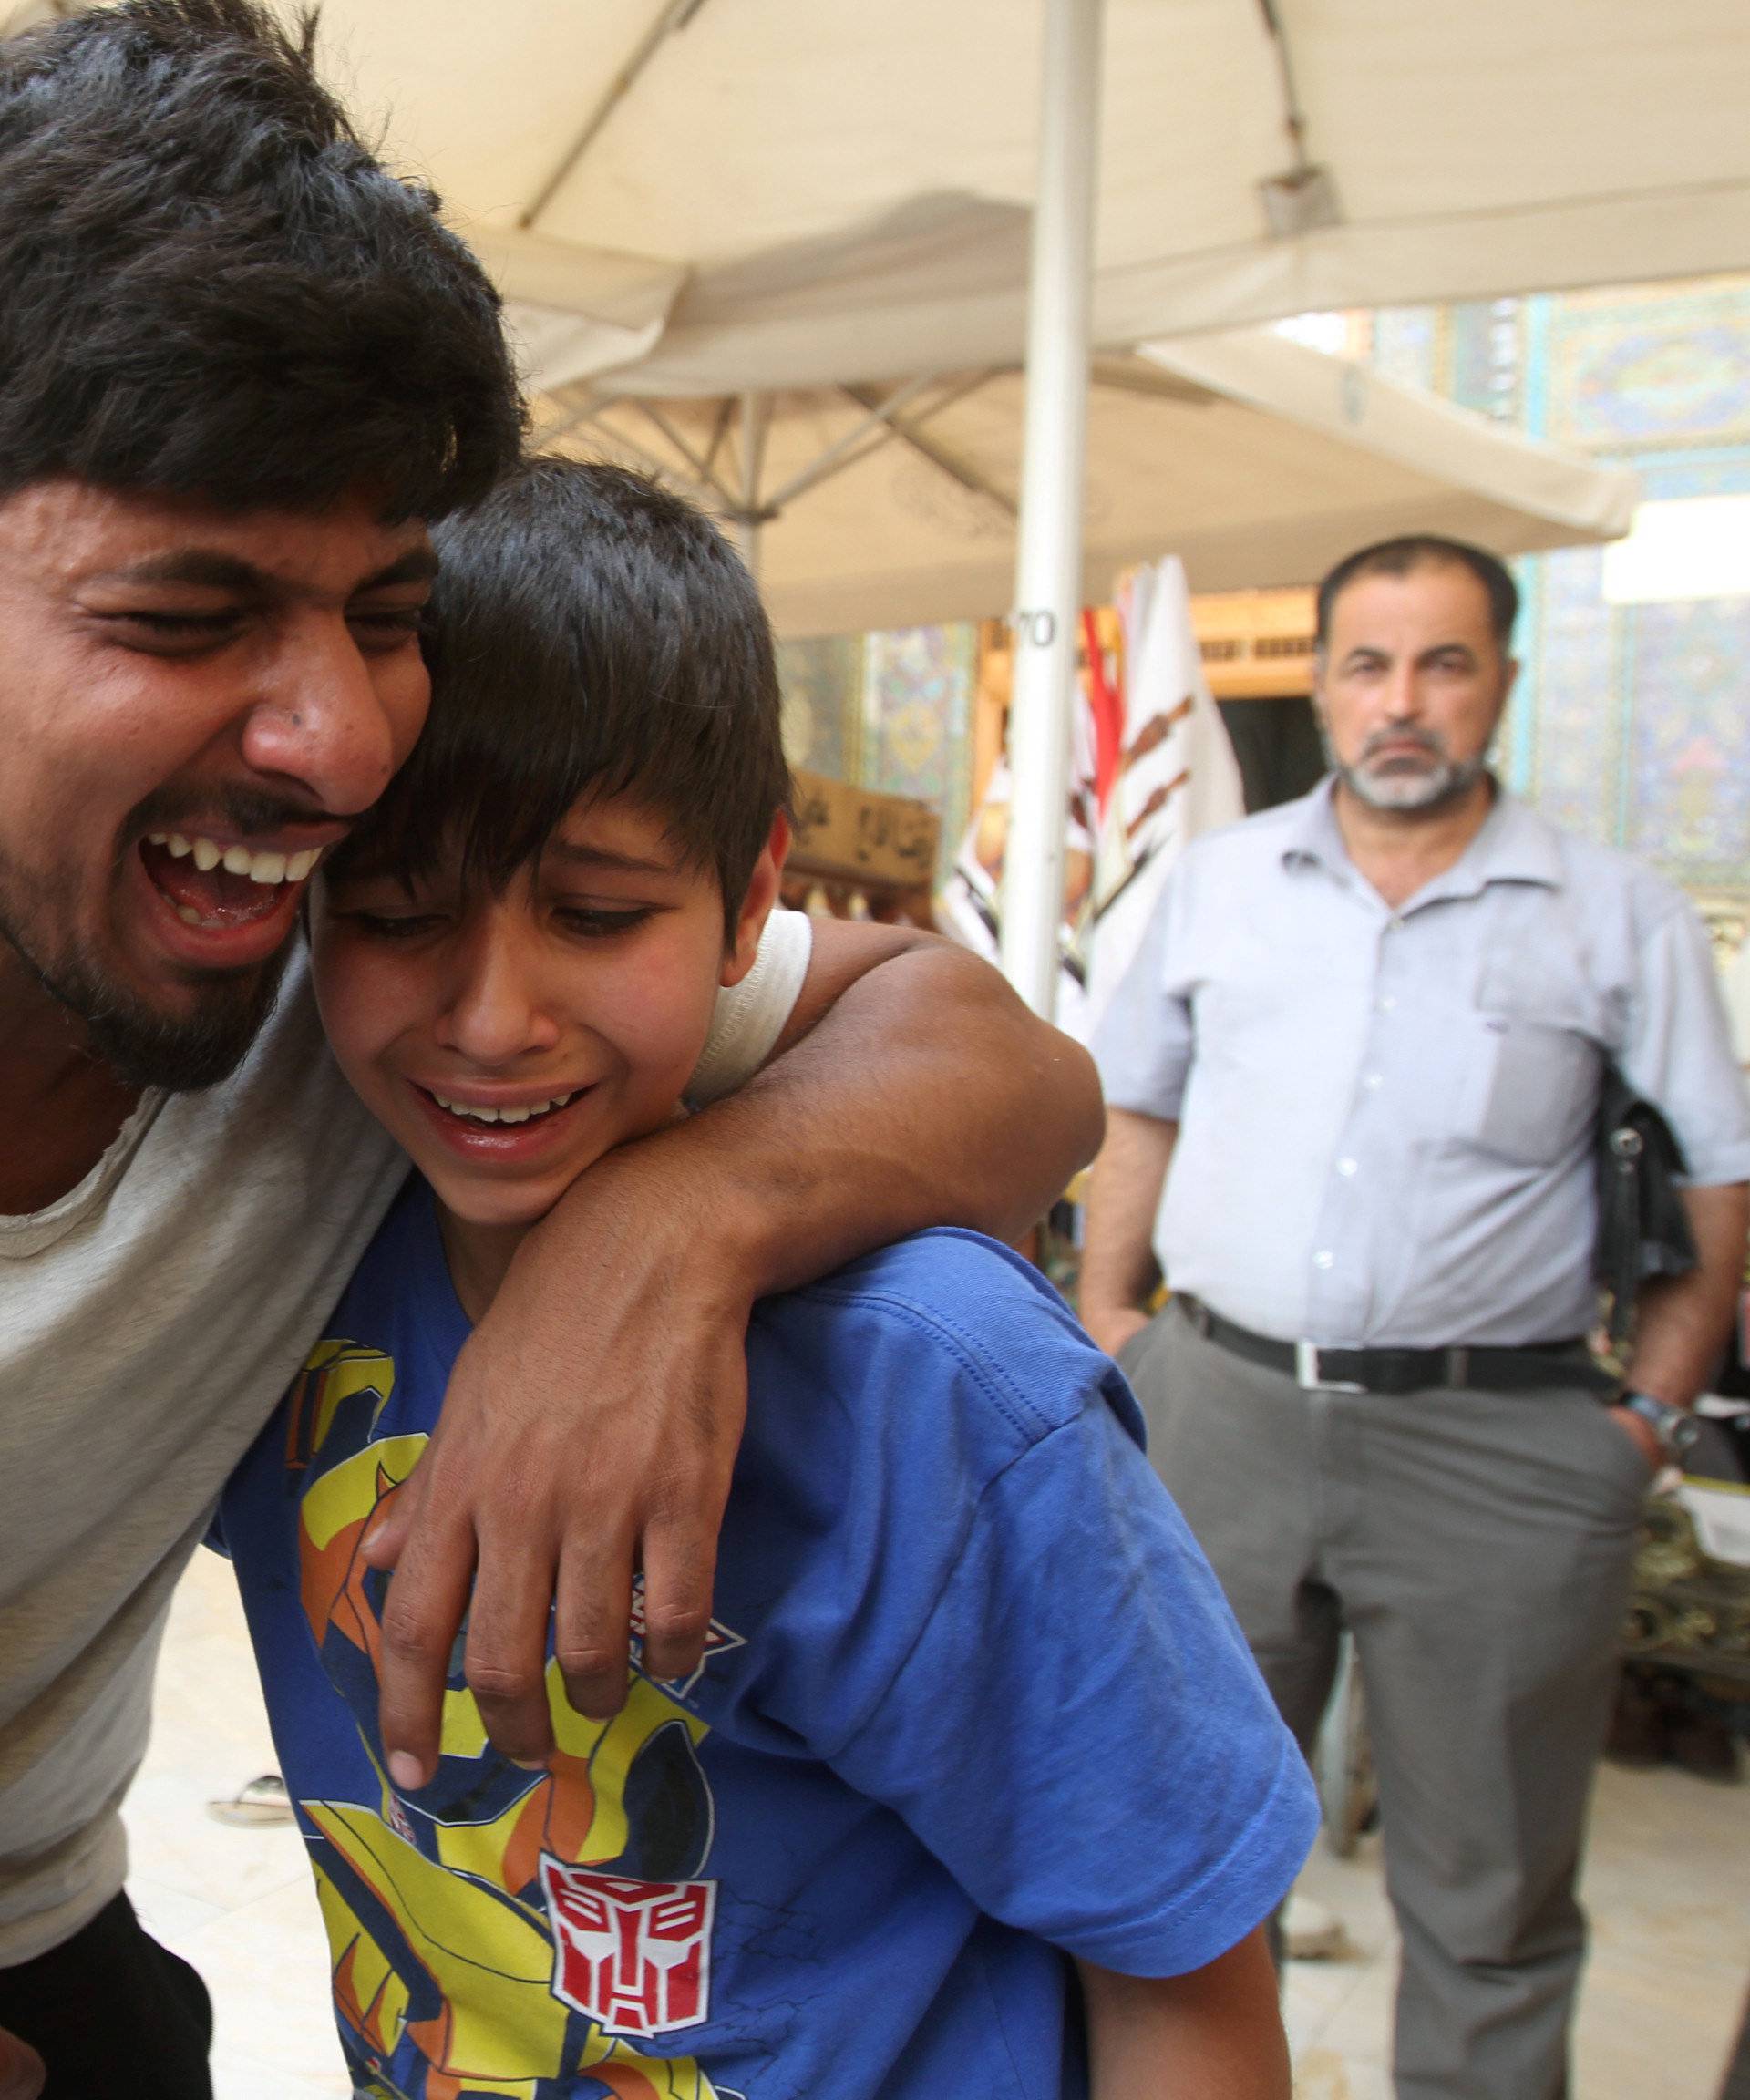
1668	1885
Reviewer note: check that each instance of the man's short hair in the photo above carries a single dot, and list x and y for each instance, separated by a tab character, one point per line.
589	634
212	287
1416	550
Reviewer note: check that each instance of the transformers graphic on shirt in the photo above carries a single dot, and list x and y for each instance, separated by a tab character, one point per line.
503	1932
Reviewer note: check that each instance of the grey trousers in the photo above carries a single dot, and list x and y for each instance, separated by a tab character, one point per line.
1478	1545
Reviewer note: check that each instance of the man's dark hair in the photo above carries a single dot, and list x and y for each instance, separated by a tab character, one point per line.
1427	551
211	286
589	634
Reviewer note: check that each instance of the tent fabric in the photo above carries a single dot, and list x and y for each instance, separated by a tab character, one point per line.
821	191
1259	460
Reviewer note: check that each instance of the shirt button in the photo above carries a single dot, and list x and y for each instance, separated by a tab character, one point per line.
1387	1003
1345	1168
1395	924
1372	1082
1323	1259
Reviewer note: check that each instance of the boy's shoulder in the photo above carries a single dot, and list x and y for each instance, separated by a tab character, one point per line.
940	1315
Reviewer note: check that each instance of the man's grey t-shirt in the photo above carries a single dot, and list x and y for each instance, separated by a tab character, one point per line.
149	1322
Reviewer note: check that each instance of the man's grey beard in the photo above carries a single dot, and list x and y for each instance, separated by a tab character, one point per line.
1411	790
146	1049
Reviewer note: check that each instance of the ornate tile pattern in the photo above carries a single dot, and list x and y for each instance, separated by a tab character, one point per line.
1632	723
890	711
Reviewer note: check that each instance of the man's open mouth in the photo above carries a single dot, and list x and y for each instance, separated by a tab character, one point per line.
212	885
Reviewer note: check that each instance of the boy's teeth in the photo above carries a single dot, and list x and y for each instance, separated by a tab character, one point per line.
264	867
503	1115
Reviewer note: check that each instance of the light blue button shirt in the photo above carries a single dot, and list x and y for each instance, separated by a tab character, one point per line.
1385	1115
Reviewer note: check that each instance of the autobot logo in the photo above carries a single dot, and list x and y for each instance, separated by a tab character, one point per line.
635	1955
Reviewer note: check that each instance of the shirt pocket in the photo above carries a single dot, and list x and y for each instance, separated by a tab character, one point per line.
1538	1064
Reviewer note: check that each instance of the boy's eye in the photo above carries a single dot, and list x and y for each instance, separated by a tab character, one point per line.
392	925
596	922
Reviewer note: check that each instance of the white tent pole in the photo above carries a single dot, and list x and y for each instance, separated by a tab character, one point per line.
1048	566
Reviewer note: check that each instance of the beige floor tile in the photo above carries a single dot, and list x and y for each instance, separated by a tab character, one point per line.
266	1965
1667	1885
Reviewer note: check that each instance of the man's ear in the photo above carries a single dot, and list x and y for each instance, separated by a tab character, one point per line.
756	902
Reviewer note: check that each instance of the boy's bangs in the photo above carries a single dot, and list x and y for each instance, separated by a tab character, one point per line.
589	635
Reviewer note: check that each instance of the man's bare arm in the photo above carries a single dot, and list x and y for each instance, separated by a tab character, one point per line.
592	1421
1216	2032
1118	1269
1681	1323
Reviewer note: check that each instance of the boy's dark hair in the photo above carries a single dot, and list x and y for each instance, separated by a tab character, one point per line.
1415	550
211	286
589	633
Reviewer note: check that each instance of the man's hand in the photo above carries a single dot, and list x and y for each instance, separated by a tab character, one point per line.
1118	1269
631	1315
1681	1323
22	2076
1110	1328
592	1423
1644	1438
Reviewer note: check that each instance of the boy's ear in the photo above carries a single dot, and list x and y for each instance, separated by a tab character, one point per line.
757	904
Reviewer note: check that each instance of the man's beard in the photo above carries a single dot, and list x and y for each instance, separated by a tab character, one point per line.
1411	790
146	1049
141	1046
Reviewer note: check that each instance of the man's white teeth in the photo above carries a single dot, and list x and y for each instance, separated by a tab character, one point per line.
262	868
505	1115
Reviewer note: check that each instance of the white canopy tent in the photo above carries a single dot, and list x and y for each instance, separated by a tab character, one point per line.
708	196
798	192
1257	459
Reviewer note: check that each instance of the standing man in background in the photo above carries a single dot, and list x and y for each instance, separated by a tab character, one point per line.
1353	1080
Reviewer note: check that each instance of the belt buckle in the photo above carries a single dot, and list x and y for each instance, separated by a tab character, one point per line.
1307	1376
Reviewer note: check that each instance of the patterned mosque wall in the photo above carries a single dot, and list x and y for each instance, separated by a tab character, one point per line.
891	711
1631	722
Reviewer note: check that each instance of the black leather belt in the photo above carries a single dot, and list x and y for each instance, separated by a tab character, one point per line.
1524	1369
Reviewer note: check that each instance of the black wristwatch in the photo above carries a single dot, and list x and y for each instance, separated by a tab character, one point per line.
1675	1427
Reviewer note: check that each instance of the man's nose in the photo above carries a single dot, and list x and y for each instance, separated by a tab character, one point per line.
1403	694
319	717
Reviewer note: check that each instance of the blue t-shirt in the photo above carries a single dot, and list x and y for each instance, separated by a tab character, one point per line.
972	1703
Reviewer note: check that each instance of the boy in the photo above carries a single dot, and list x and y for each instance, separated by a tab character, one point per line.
971	1706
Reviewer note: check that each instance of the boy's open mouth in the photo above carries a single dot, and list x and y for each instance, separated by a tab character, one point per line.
529	1112
217	887
508	1131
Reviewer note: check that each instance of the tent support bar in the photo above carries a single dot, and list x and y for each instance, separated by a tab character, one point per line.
702	473
834	452
1294	114
908	433
1048	566
756	418
640	456
719	431
675	16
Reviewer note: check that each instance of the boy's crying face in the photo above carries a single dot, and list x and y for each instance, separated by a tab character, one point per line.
509	1039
